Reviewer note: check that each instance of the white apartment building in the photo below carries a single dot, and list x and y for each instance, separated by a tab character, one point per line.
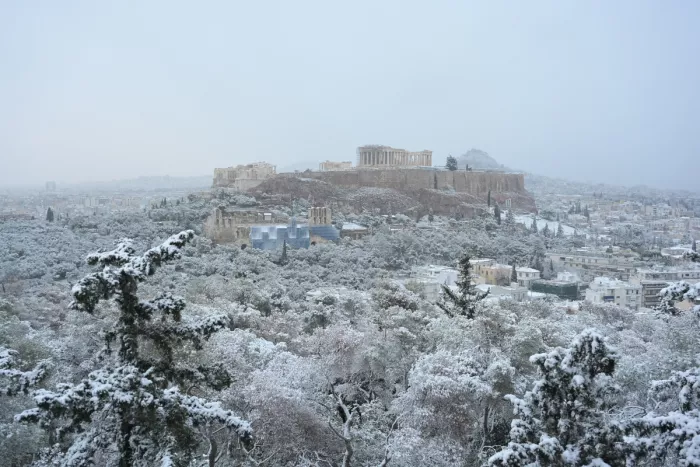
566	276
526	276
588	266
669	274
607	290
432	278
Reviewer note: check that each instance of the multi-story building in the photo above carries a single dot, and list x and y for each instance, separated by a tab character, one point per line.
526	276
589	266
491	272
650	292
669	274
608	290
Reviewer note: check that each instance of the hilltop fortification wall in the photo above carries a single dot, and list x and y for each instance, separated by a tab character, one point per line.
474	183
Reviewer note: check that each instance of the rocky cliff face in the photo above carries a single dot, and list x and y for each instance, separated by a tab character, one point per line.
408	191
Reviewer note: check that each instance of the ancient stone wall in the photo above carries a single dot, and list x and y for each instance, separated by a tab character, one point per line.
475	183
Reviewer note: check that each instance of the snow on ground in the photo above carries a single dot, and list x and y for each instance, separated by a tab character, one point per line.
553	225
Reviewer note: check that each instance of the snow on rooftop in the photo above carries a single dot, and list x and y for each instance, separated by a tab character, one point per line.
524	269
353	226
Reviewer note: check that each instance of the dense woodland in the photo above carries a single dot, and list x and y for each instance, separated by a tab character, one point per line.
167	349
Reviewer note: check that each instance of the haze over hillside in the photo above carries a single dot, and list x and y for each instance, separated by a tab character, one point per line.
100	92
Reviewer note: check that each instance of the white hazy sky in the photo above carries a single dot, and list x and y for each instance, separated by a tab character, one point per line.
590	90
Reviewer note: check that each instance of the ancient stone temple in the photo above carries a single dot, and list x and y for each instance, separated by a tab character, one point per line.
387	157
332	165
243	177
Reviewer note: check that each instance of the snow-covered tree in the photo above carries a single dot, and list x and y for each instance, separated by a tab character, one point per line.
510	220
132	411
497	213
451	163
12	379
560	231
678	292
564	419
49	215
674	436
463	301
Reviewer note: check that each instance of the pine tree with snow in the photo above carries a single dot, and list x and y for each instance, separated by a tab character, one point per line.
283	258
497	213
534	225
13	380
510	220
49	215
131	411
560	231
675	435
463	302
564	419
546	231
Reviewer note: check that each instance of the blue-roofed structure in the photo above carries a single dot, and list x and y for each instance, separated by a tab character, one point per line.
272	237
326	232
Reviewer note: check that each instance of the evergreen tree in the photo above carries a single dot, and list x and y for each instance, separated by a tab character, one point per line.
283	258
488	199
497	213
677	292
431	217
514	274
673	437
510	219
49	215
546	230
563	420
534	225
451	163
693	245
12	380
463	302
558	217
131	411
560	231
586	213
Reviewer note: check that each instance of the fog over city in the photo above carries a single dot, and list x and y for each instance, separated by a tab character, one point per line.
593	91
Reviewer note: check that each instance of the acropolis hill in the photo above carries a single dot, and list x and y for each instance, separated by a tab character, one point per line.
384	178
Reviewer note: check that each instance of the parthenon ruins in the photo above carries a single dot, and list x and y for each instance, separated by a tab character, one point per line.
386	156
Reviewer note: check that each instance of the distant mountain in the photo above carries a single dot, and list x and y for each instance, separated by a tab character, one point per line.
478	159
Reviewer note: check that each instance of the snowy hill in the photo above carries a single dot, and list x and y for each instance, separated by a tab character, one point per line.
478	159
